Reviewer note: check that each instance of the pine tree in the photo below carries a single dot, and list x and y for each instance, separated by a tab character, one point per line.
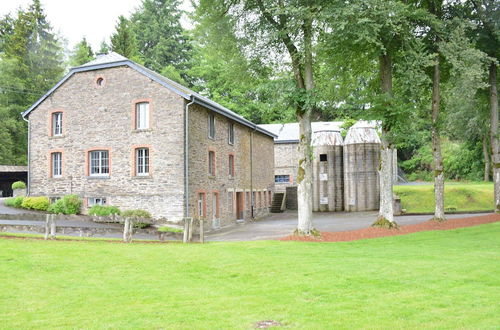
123	40
82	53
30	64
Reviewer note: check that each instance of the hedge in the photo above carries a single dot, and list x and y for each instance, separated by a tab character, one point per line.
18	185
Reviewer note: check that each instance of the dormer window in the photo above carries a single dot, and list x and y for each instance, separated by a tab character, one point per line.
57	123
142	115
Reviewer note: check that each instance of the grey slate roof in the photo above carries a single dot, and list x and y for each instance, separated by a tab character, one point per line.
113	59
289	133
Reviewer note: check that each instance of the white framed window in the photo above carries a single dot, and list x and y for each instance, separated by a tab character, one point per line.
142	115
201	205
91	201
57	118
211	163
56	164
211	126
99	163
230	134
142	161
282	178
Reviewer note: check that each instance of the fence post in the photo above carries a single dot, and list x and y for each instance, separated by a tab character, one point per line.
47	226
52	226
127	230
202	233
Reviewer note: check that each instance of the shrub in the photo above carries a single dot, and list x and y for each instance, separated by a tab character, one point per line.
136	214
72	204
57	207
35	203
69	204
103	210
14	201
18	185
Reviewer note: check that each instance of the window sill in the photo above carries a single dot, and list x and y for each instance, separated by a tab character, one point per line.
142	177
55	137
142	130
212	177
231	178
56	177
98	177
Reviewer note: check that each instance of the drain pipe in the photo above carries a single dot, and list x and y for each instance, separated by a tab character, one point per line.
252	198
186	157
29	141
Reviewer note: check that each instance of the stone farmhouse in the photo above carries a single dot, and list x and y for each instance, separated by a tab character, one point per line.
116	133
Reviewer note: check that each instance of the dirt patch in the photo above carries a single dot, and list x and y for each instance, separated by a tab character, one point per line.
373	232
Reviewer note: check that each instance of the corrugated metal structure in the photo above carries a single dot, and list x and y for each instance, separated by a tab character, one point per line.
361	163
328	177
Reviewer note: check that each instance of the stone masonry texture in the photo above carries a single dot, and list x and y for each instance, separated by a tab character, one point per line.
102	118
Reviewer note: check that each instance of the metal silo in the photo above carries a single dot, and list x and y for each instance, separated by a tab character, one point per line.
361	163
328	190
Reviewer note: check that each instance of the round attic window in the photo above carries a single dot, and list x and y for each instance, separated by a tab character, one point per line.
100	82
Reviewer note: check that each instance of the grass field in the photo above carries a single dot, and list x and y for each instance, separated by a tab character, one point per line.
446	279
457	197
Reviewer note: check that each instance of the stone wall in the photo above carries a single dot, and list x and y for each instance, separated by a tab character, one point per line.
101	117
222	185
286	163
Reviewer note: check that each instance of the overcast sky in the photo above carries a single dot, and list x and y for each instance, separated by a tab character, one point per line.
74	19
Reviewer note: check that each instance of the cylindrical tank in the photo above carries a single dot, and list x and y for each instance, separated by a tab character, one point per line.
361	163
328	178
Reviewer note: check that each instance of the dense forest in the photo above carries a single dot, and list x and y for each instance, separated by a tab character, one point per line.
368	59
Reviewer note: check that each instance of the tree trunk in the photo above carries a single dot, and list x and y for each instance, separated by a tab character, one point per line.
495	157
436	145
304	175
486	156
386	213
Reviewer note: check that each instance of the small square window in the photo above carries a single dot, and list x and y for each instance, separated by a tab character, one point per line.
323	158
282	178
91	201
99	163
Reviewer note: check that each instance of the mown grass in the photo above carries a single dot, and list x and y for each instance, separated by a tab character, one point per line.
458	197
446	279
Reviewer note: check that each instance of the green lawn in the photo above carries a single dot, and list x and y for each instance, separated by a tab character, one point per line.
457	197
445	279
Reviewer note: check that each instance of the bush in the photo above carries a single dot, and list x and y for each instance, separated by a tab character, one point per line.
57	207
14	201
72	204
69	204
35	203
18	185
103	211
136	214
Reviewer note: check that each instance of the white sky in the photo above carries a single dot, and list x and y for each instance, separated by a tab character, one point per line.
75	19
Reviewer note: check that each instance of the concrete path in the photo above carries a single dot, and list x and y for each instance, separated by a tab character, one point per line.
283	224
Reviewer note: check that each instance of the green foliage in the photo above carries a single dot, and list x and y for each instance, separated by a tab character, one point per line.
14	201
136	214
104	210
160	38
40	203
462	161
31	62
123	40
82	53
69	204
167	229
18	185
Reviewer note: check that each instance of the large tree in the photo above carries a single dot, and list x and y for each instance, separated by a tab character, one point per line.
81	54
31	63
123	41
161	40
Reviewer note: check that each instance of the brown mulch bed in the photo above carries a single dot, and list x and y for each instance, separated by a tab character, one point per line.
372	232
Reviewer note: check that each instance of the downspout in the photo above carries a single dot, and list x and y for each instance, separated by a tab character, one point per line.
29	142
186	157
